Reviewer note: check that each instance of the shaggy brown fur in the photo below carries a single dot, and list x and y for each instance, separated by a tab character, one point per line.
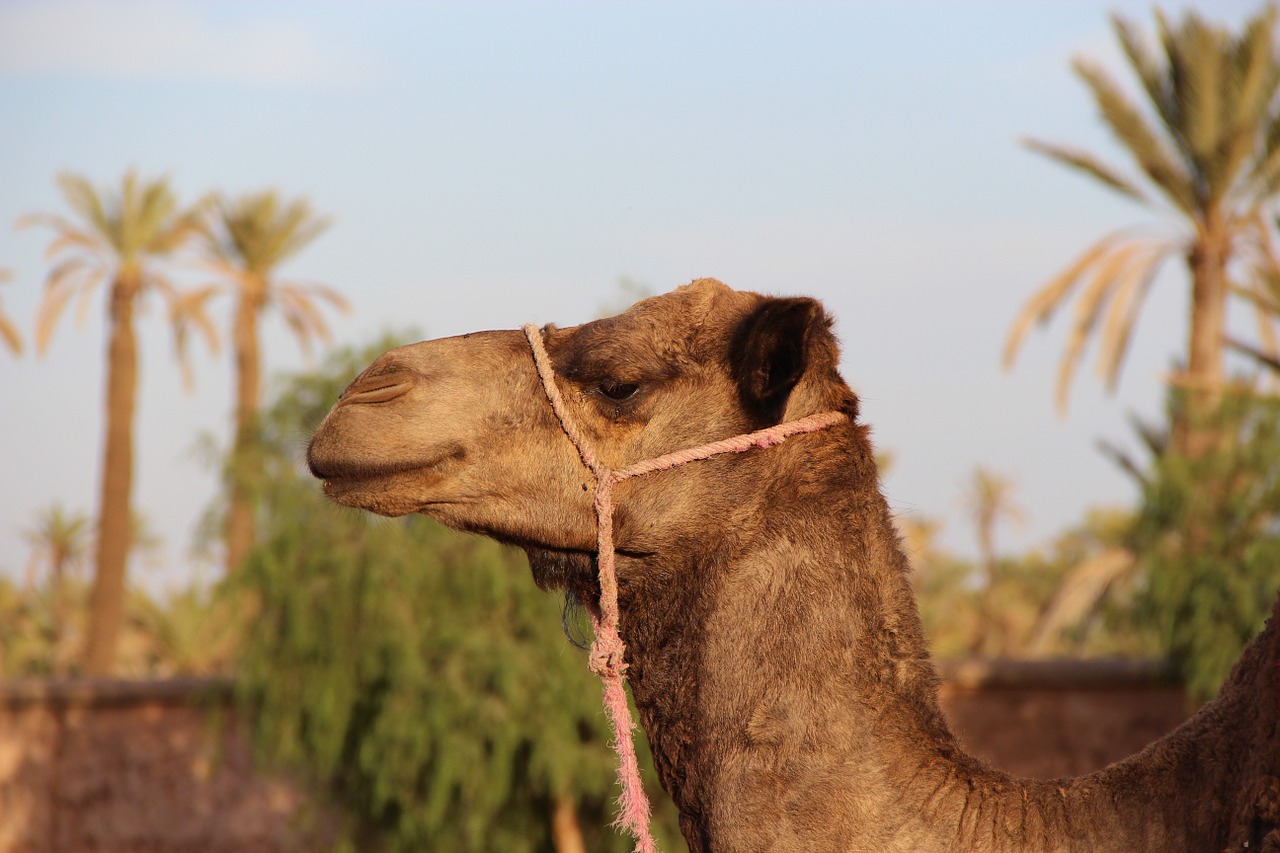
777	656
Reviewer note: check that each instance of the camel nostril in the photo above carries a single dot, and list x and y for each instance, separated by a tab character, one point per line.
378	389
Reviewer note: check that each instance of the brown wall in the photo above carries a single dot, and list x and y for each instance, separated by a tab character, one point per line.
165	766
133	766
1046	719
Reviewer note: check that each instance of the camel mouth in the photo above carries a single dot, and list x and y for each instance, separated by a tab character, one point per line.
342	475
390	492
374	498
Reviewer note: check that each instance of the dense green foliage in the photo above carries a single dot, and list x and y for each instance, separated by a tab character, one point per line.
1209	536
416	674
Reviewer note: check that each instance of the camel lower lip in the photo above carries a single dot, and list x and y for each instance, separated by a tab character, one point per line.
366	488
339	473
385	495
337	484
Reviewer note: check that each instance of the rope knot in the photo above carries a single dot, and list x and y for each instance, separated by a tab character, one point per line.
606	659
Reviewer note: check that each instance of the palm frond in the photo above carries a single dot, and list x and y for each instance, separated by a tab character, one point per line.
1260	242
1265	359
8	330
1123	311
1155	439
189	309
1255	78
1123	460
56	296
1079	594
299	324
1040	307
1150	71
1264	180
10	335
67	234
1262	293
30	220
85	293
1195	55
1090	165
1263	303
64	271
1132	130
301	304
1106	276
328	294
305	227
1154	436
1269	343
74	238
84	200
175	233
221	266
1267	333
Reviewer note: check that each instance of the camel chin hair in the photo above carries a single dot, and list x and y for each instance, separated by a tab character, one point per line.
571	572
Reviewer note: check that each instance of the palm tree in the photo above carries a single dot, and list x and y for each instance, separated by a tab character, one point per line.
249	238
1210	160
988	498
8	331
60	540
117	240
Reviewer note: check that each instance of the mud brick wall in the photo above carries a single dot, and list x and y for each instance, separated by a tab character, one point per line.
1046	719
133	766
166	766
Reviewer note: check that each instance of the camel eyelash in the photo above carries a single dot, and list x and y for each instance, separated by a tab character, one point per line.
619	391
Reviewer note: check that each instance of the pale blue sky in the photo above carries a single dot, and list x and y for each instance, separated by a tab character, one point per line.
490	164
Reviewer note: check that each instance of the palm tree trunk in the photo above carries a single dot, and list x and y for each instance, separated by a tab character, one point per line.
566	832
1193	433
248	392
985	625
106	602
1207	262
58	605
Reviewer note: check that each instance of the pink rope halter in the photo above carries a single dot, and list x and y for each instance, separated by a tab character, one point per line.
607	650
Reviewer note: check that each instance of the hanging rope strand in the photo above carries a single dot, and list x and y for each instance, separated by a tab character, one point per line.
608	650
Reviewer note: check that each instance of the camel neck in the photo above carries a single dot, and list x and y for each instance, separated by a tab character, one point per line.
791	704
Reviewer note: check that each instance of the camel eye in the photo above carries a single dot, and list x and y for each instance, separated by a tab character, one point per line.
619	391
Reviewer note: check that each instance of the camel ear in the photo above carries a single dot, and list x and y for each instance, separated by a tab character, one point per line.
772	349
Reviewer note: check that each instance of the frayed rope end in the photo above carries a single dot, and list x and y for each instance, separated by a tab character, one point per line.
633	805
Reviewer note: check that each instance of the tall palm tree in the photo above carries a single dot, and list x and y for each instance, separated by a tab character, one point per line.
117	240
1208	150
248	239
9	335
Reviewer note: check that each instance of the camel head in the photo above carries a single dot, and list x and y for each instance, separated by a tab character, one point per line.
461	429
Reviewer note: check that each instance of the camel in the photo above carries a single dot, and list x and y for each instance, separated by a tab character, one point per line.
775	651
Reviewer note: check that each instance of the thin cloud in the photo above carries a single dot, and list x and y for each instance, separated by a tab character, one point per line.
157	40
